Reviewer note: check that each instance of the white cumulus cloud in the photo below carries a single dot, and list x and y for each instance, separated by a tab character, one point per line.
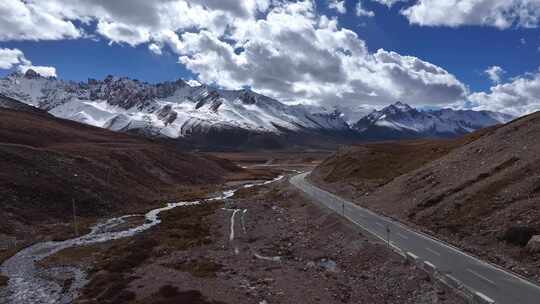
45	71
155	48
495	73
11	57
14	58
337	5
388	3
28	20
294	54
284	49
361	11
498	13
518	97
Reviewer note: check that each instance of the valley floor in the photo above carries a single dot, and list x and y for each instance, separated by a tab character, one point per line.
267	244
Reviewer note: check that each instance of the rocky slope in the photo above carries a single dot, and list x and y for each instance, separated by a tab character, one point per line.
48	164
170	109
208	116
283	249
13	104
481	195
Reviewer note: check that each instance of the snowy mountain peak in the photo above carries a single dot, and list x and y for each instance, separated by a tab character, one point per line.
31	74
400	120
171	109
397	108
176	109
400	107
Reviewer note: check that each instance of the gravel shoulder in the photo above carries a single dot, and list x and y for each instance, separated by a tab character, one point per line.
479	193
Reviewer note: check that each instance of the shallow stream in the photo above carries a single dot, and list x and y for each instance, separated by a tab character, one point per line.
30	283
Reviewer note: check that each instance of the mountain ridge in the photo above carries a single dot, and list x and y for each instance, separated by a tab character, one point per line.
206	115
399	121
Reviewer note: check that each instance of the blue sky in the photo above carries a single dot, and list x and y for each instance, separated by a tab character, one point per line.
464	51
81	59
85	48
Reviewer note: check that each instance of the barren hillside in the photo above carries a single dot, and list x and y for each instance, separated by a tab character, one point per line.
471	193
49	165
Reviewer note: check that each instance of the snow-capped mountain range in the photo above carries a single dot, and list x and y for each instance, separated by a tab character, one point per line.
172	109
399	120
178	110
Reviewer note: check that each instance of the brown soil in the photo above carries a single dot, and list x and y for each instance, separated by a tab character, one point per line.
49	165
3	280
192	260
472	195
368	166
274	157
169	294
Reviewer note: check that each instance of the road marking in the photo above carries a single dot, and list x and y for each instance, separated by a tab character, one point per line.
484	298
481	276
429	267
403	236
300	182
433	251
380	224
394	247
433	239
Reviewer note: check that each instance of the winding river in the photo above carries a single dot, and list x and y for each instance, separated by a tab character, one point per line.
30	283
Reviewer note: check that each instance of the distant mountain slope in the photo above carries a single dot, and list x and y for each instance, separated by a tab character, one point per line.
10	103
483	195
48	163
208	116
170	109
399	121
362	168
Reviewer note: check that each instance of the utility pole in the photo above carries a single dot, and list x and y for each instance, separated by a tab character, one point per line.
388	235
343	208
75	217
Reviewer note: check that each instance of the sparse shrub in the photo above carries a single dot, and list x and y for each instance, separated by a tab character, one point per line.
168	291
519	235
139	251
171	295
3	280
198	268
125	296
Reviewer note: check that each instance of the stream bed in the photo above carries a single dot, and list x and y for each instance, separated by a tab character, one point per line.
30	283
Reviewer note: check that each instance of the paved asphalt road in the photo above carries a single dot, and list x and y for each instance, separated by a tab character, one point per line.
491	281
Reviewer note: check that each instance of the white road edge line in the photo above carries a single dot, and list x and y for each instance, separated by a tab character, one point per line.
431	265
441	243
433	251
484	297
481	276
401	235
431	239
374	234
